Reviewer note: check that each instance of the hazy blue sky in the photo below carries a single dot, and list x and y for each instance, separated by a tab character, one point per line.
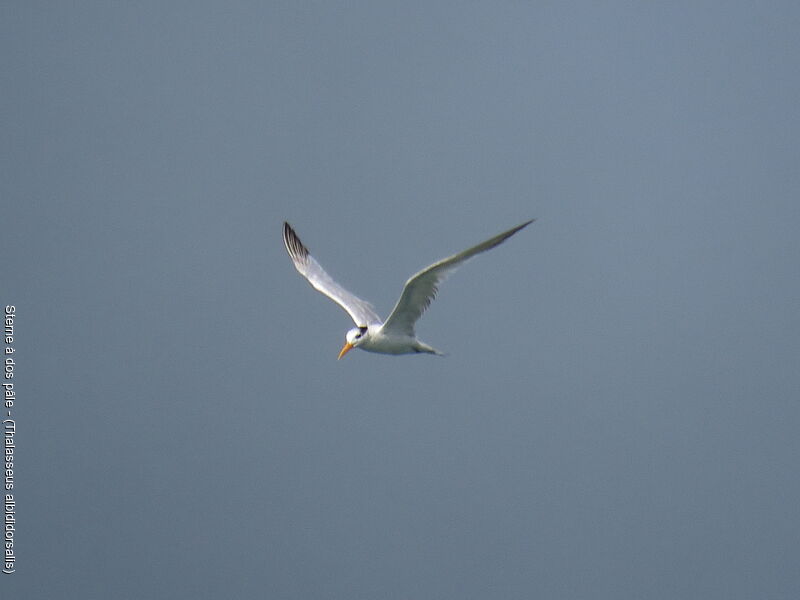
618	416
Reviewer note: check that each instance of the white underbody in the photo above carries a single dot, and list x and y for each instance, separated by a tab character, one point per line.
376	340
396	334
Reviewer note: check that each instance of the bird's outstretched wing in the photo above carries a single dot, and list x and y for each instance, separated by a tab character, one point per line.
359	310
421	289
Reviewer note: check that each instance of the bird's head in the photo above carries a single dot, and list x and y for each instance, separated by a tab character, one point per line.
353	338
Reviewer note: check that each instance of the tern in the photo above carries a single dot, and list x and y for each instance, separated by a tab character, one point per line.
395	335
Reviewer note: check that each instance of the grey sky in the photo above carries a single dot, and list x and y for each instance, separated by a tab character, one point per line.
618	414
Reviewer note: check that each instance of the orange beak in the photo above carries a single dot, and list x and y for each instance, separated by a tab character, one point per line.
347	347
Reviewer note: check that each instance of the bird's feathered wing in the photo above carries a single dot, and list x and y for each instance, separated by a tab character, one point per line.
361	311
421	289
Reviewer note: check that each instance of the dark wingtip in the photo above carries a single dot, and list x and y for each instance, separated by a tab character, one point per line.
514	230
292	242
523	226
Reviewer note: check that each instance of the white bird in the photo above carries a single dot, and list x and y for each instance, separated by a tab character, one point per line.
395	335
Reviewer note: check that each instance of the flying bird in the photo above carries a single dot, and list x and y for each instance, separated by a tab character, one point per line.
395	335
